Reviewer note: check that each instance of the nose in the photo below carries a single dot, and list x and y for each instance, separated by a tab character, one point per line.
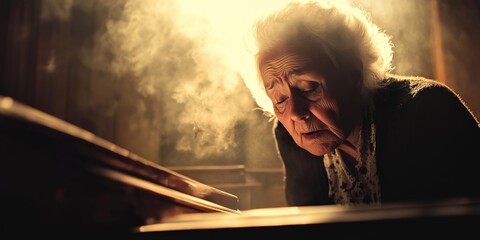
299	110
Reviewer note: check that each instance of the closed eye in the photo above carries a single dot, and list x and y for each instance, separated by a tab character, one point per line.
312	91
281	101
279	106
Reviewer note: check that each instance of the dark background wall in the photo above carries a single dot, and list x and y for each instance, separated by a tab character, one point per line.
148	87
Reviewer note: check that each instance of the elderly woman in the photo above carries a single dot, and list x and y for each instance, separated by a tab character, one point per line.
347	131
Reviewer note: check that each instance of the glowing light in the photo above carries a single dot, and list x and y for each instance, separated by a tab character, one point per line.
225	28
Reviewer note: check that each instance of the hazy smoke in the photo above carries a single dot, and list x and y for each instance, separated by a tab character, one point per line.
176	59
55	9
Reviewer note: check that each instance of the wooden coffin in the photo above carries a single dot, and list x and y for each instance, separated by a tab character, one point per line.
58	178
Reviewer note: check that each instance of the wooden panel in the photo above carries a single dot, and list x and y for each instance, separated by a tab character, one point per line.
18	49
58	176
455	217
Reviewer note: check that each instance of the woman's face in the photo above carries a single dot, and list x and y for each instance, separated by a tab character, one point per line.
315	107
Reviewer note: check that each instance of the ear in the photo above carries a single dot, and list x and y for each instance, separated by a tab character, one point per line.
356	74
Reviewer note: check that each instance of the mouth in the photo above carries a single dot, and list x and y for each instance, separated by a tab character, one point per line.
313	134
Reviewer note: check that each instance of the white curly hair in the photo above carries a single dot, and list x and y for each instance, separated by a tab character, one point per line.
341	32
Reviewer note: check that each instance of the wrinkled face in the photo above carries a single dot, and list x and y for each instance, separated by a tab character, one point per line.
315	107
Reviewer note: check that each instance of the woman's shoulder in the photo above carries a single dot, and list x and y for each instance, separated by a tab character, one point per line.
423	95
411	84
400	90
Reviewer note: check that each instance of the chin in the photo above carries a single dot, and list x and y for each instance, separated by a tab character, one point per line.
322	149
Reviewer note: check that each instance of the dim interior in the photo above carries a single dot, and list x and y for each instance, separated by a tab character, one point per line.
169	80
